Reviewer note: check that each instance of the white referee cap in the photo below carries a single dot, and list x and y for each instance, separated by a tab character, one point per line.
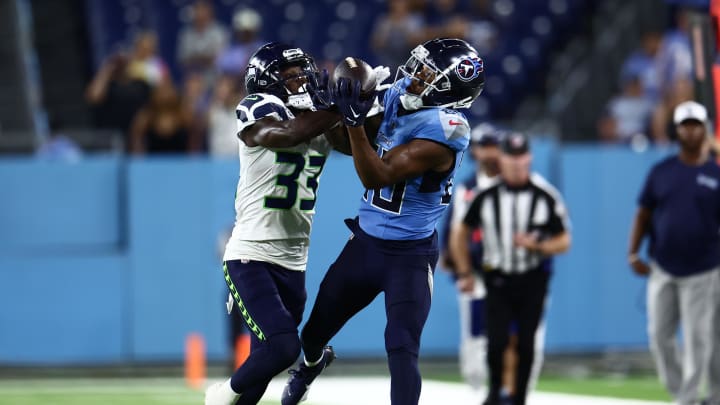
689	110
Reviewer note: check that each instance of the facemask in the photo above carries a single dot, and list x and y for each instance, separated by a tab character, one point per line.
411	102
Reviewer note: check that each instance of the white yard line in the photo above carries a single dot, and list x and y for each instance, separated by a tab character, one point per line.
376	391
325	391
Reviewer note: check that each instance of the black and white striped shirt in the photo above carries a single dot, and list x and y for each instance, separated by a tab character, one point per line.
502	211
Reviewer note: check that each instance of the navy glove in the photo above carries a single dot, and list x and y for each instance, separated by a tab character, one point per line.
352	106
319	88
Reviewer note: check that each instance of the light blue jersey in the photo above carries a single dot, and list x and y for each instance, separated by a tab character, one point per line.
410	210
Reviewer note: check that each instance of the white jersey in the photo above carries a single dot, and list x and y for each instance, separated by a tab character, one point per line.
275	200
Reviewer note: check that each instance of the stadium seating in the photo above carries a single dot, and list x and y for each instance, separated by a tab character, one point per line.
529	31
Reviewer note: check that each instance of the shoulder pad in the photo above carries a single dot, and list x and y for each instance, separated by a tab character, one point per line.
443	126
454	124
256	106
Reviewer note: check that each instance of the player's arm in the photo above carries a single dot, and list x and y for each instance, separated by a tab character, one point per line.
339	138
461	254
270	133
459	250
642	223
459	245
557	228
400	163
640	227
553	245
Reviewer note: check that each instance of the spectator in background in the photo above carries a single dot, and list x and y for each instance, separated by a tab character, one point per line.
58	147
674	57
395	33
115	94
196	101
678	210
201	42
246	25
164	125
663	128
628	114
222	118
482	31
144	63
674	66
446	20
644	62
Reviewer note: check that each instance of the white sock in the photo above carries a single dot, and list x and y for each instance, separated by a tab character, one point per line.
314	363
227	391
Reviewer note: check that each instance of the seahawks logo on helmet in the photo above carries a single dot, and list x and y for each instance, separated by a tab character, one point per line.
469	68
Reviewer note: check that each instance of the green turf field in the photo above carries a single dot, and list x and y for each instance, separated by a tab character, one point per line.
150	391
632	387
617	387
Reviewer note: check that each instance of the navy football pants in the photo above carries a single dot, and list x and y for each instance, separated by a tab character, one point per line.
271	299
358	275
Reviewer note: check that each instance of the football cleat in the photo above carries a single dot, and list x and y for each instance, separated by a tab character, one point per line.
299	382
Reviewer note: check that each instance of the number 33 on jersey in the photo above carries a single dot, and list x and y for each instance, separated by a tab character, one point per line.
284	181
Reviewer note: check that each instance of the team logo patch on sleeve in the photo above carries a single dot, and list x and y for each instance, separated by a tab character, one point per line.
469	68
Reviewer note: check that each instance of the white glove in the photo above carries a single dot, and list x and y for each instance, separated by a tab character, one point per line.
381	74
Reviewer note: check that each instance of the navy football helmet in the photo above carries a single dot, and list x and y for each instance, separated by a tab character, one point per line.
459	74
263	74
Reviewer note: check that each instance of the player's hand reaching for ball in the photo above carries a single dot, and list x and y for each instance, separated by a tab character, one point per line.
352	103
319	88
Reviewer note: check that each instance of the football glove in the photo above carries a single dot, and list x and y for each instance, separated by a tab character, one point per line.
319	88
351	105
381	74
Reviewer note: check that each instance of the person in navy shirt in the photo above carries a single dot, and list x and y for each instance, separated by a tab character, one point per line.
407	176
679	209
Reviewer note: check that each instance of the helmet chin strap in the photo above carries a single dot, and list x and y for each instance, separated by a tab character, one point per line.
301	101
411	102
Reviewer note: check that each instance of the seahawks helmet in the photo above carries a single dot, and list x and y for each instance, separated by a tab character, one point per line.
459	73
266	64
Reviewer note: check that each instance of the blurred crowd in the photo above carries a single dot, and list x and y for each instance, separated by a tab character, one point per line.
653	80
135	93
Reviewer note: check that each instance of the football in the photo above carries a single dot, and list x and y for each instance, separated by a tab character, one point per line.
356	69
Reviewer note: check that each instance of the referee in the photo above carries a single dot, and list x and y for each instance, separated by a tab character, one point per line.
524	222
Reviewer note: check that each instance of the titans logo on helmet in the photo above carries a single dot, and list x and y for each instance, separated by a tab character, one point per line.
469	68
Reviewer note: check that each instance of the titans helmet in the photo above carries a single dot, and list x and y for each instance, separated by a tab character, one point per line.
263	74
458	77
